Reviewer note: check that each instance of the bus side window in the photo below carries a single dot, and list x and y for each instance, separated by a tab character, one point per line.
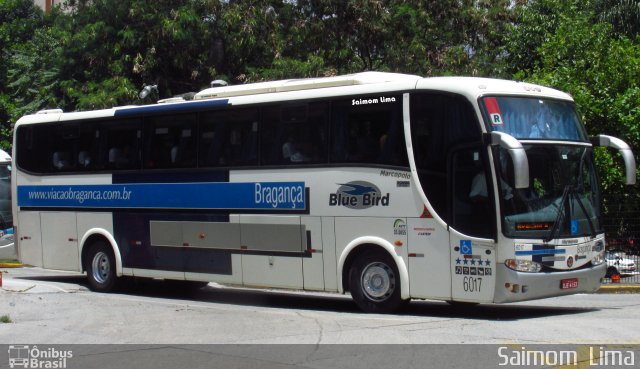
170	141
60	160
228	138
65	140
84	159
368	132
122	140
295	134
445	134
472	212
279	134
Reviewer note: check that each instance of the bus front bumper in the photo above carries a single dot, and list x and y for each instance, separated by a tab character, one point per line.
512	286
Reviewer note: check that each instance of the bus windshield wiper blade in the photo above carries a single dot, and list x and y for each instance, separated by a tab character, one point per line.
580	183
592	228
561	211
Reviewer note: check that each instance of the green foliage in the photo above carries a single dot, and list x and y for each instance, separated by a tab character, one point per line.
33	76
601	69
426	38
18	20
101	95
624	15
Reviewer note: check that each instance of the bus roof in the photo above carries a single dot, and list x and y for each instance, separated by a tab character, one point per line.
305	84
476	87
312	88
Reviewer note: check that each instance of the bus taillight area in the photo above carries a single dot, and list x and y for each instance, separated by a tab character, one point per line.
513	286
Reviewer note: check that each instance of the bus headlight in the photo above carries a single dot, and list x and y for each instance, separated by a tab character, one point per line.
523	265
599	259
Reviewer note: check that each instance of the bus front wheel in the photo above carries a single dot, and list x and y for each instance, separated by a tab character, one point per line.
374	283
100	265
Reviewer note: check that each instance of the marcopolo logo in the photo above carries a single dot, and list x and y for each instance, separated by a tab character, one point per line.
358	195
25	356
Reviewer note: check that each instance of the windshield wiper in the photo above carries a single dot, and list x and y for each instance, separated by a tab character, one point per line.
561	212
569	194
580	183
592	228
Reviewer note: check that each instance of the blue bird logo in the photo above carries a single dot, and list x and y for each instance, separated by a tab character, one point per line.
357	190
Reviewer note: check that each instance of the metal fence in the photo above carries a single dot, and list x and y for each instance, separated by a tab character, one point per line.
622	227
622	268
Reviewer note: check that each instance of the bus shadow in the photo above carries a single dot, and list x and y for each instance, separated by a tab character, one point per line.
325	302
505	312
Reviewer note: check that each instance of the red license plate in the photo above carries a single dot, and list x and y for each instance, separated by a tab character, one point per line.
566	284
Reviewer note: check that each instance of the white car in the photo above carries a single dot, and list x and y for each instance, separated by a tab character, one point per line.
617	264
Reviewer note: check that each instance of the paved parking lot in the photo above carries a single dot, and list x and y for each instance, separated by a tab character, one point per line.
55	307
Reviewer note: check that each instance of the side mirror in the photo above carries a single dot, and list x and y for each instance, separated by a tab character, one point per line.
625	151
518	156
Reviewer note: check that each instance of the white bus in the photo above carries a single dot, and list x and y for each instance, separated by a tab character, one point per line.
387	186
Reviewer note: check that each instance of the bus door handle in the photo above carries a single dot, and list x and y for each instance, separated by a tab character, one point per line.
24	238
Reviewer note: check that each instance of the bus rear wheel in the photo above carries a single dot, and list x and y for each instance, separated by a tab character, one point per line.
374	283
100	265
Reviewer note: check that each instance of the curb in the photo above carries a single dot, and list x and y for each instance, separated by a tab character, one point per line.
619	289
11	265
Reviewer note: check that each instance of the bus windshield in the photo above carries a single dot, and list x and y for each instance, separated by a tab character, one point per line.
533	118
562	199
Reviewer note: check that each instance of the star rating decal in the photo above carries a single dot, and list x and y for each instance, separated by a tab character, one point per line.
473	262
479	266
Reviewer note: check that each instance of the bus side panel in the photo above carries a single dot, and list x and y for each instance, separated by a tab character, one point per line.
329	254
473	265
278	236
429	269
313	266
60	235
234	278
29	239
230	240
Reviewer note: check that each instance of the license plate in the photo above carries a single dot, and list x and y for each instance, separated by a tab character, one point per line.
566	284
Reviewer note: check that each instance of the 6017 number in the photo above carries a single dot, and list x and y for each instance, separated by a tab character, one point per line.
472	284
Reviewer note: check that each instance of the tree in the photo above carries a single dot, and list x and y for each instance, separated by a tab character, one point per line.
115	47
623	15
602	72
18	21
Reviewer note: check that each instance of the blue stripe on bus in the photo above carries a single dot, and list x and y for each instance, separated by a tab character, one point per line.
214	195
541	252
170	108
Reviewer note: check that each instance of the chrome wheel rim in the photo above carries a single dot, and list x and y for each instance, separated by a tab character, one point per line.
378	281
101	267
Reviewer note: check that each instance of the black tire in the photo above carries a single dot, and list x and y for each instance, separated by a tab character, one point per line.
611	271
100	265
374	283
